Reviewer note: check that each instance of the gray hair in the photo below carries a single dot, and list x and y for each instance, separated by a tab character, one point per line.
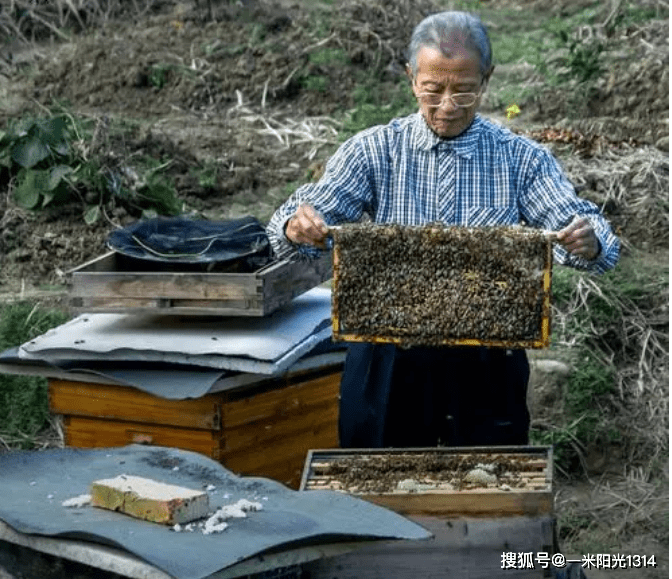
439	28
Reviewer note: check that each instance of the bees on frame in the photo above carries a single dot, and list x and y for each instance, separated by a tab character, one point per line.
435	285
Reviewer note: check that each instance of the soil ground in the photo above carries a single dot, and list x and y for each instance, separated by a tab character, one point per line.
231	86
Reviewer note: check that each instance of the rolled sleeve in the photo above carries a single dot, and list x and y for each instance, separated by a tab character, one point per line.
340	196
549	201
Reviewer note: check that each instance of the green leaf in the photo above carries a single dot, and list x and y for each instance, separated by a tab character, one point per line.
47	198
5	159
56	174
29	152
52	131
61	148
92	214
149	214
27	194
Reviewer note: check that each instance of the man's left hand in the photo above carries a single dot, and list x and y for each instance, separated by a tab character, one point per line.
579	238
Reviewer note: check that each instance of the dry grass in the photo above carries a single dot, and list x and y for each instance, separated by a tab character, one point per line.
308	134
27	21
622	318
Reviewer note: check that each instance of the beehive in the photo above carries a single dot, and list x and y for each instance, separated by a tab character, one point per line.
261	429
436	285
442	481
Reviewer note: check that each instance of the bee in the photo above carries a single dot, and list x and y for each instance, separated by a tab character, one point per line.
432	285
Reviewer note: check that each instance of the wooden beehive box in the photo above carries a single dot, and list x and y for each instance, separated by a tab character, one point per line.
436	285
116	283
445	482
263	429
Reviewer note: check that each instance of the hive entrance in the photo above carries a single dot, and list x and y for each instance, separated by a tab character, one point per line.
433	285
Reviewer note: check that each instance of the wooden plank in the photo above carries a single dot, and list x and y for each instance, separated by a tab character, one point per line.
283	459
161	306
83	432
251	437
132	405
280	402
477	503
168	285
295	277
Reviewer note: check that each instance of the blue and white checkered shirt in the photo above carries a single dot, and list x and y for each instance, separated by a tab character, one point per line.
404	173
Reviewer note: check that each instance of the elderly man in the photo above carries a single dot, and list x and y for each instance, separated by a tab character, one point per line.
443	164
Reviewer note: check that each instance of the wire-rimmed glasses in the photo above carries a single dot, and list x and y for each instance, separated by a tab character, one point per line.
458	99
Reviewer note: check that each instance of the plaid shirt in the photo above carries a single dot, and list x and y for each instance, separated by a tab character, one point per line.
404	173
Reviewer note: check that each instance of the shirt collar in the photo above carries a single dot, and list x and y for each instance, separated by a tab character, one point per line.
463	145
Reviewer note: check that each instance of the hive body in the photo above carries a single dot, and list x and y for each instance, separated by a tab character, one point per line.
436	285
149	500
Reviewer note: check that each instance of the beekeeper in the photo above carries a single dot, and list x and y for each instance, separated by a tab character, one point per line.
446	164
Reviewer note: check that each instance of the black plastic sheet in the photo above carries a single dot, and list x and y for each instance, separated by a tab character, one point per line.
33	486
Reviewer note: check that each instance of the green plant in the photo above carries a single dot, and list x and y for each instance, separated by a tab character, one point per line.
24	409
37	154
207	174
377	103
60	159
608	325
328	56
584	60
315	82
158	75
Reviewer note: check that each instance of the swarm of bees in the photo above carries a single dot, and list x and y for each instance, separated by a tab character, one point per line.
435	285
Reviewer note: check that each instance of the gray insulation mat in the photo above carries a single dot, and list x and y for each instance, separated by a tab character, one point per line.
33	486
267	345
169	381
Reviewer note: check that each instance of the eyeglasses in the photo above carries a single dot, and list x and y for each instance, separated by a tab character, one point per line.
459	99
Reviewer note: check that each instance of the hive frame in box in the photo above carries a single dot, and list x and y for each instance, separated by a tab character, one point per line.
477	502
543	341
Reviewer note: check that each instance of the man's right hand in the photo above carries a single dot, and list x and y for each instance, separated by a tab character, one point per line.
307	226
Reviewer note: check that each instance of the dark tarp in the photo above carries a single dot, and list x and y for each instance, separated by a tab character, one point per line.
183	240
33	486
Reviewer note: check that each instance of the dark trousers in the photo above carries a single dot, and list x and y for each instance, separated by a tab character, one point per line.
423	397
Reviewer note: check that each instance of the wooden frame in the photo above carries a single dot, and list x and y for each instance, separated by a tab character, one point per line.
106	284
543	341
493	502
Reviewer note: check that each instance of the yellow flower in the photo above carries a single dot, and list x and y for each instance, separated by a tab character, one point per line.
512	111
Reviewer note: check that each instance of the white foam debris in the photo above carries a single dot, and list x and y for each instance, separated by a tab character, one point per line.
217	522
77	502
480	476
177	528
486	467
210	488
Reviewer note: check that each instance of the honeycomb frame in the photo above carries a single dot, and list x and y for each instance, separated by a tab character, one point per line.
433	285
